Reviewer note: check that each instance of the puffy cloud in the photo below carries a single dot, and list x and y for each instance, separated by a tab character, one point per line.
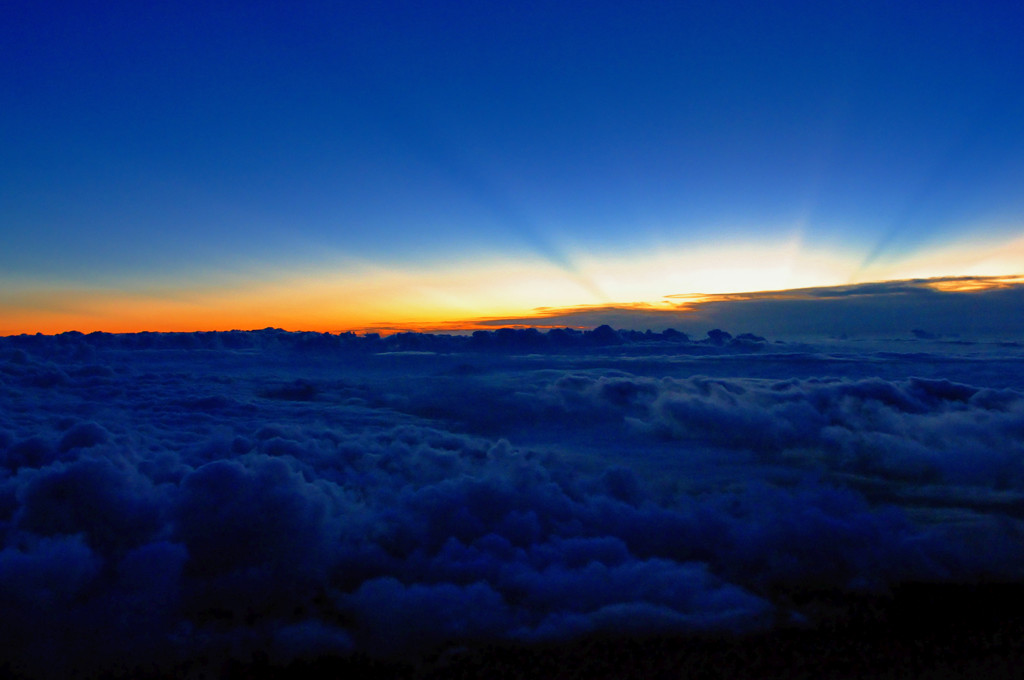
278	498
394	617
113	509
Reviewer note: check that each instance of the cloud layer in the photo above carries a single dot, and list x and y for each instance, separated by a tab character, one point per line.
168	500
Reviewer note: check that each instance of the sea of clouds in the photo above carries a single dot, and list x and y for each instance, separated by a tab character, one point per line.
177	501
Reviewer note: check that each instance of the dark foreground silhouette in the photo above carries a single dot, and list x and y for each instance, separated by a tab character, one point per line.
918	631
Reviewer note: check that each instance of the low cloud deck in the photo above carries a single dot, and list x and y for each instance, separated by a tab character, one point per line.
426	504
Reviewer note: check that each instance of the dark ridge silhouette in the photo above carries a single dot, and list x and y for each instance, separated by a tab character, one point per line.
502	340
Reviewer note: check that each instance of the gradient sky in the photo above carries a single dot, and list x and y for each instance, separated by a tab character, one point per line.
334	165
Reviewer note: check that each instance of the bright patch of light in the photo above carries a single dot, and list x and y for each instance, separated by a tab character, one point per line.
719	269
963	257
352	295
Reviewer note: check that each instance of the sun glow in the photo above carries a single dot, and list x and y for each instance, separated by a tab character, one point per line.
366	299
459	295
715	270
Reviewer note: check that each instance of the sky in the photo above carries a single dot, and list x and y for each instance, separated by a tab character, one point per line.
332	166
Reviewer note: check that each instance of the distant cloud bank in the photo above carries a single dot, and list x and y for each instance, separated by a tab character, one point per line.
969	306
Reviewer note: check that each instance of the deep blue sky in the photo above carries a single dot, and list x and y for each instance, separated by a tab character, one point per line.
447	159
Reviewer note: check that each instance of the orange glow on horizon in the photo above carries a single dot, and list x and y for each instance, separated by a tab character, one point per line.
975	284
56	312
362	302
465	296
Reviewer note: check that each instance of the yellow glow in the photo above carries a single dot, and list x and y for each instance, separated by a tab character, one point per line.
972	285
775	265
959	257
351	295
323	301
